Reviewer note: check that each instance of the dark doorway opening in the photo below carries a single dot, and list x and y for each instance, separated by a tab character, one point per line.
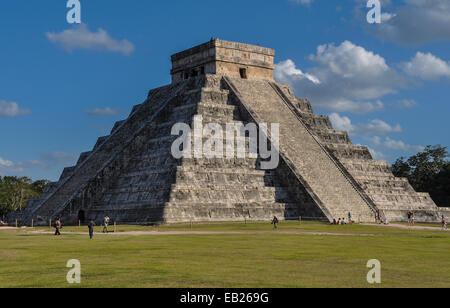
243	73
81	216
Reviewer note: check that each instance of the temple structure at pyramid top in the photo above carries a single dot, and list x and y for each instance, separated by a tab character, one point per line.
132	176
226	58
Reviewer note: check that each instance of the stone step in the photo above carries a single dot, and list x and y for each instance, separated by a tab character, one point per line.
166	142
316	122
333	136
393	204
219	163
151	187
301	104
348	151
366	165
116	126
100	141
68	171
218	176
401	187
216	96
83	157
362	176
196	212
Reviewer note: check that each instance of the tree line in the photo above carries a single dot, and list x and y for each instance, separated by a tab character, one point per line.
16	191
428	171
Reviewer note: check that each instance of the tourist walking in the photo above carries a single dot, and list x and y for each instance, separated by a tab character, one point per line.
444	223
58	227
409	218
275	222
105	224
350	221
91	226
413	219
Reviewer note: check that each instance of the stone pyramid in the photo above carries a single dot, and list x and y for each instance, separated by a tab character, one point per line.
132	176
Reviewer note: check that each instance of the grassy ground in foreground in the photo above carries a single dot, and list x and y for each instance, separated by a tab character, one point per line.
254	258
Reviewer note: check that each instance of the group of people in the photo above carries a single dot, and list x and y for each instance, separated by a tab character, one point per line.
106	221
411	219
342	221
379	219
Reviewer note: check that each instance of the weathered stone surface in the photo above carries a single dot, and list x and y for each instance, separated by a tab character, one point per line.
223	58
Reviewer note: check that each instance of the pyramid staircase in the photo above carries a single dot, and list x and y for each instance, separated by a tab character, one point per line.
325	179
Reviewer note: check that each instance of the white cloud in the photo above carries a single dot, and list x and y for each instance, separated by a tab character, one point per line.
287	69
406	103
373	127
11	109
385	17
59	157
427	66
401	146
415	22
303	2
6	163
376	140
8	167
80	37
107	111
345	78
378	127
47	160
376	155
341	123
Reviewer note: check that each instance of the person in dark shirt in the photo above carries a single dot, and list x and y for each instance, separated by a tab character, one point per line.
275	222
91	226
58	227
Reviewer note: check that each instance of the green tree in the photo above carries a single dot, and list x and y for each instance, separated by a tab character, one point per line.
39	186
15	193
401	168
428	171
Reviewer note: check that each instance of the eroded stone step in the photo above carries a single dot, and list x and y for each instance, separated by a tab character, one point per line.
348	151
333	136
206	95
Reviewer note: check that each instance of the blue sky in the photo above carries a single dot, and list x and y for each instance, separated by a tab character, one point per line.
63	86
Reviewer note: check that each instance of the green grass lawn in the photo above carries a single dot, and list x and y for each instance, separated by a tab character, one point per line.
257	257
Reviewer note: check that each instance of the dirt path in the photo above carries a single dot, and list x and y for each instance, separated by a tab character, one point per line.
159	233
255	232
407	227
